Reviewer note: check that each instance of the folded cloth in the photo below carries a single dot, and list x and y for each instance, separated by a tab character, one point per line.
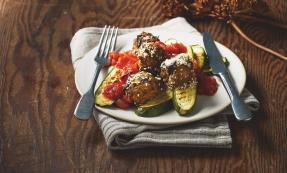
118	134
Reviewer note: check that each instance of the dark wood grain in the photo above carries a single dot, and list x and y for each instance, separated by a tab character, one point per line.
38	132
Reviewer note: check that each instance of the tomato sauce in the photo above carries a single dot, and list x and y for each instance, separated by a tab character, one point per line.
172	49
114	91
206	85
128	63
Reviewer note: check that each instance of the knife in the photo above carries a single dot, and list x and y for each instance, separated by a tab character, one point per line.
240	109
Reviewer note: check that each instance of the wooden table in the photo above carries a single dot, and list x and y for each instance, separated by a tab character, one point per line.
38	132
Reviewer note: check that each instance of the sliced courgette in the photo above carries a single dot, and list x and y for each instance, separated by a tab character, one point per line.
112	76
190	53
199	54
159	105
184	99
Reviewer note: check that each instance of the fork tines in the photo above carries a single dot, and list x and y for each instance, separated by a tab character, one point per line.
107	41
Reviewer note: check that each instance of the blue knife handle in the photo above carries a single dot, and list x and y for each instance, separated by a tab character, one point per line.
240	109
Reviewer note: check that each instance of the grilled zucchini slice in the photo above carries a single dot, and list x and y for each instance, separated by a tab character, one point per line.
184	99
159	105
112	76
199	54
190	53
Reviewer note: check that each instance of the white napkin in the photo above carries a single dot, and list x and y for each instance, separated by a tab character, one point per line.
211	132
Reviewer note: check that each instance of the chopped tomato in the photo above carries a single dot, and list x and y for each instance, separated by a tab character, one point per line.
128	70
114	91
182	48
175	49
120	60
121	103
113	57
161	44
172	49
124	78
131	69
125	59
196	67
206	84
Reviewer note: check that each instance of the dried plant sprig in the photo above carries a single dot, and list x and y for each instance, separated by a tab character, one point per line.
225	10
248	18
235	26
219	9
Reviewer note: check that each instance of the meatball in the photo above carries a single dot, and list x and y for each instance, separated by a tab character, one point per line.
151	55
144	37
142	87
178	72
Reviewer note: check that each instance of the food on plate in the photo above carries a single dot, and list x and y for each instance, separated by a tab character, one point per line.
179	75
101	97
178	71
144	37
198	54
142	87
150	55
158	105
156	76
184	99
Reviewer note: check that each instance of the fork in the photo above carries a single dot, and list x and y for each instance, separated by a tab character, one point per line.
84	108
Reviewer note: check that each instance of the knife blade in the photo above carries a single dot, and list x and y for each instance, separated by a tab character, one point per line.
240	109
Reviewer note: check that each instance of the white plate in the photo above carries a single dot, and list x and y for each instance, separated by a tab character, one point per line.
205	106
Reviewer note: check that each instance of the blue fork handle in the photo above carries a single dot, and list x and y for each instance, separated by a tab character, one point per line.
240	109
84	108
